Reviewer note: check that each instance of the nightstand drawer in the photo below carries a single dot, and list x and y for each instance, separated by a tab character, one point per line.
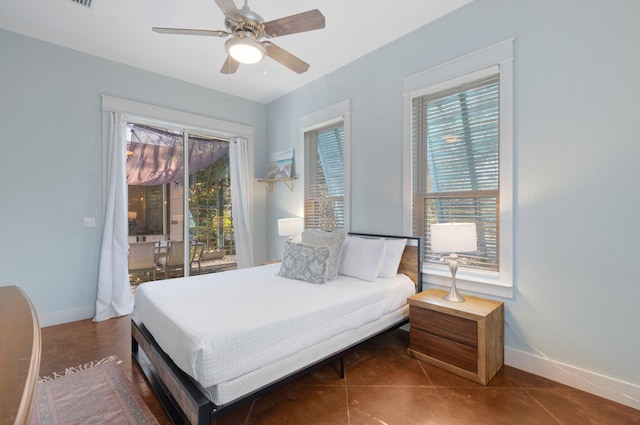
458	329
445	350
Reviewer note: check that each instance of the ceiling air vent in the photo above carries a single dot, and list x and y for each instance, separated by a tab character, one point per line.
86	3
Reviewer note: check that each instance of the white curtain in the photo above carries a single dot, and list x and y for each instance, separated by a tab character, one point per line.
114	292
240	196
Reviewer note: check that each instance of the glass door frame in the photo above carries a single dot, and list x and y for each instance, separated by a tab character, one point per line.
156	116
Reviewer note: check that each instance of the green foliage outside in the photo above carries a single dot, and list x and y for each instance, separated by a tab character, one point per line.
210	207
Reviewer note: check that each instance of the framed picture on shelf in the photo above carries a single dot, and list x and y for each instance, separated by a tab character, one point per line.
281	164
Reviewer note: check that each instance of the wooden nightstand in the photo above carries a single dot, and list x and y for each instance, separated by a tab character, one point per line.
465	338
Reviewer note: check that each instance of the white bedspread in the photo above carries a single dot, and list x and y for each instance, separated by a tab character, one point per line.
220	326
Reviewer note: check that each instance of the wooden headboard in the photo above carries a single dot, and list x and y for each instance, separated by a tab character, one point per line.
410	263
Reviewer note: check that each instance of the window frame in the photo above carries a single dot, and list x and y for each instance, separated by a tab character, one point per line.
332	115
314	198
497	58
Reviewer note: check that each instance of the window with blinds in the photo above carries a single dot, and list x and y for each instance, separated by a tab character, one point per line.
456	166
324	178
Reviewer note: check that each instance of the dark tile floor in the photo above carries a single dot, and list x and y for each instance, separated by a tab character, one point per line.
383	386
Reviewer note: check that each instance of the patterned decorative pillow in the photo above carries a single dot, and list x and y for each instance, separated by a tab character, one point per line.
305	262
334	240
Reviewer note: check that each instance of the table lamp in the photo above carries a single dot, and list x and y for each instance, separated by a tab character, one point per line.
290	226
452	238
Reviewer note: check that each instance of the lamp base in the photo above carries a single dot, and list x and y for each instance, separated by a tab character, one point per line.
453	295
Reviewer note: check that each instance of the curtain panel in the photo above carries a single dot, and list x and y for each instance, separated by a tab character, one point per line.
114	297
240	199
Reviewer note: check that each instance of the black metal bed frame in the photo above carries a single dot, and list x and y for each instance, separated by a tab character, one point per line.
183	400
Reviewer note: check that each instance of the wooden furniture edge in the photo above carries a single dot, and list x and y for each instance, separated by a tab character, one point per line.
13	298
496	353
473	308
446	366
179	396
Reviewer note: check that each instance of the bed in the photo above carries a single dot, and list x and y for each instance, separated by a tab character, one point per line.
210	343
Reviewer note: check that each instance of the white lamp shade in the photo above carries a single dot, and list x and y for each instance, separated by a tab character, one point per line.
453	237
245	50
290	226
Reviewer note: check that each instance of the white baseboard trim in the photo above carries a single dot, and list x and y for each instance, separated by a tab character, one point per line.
591	382
66	316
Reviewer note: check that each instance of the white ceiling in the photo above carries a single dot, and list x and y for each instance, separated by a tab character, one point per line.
120	30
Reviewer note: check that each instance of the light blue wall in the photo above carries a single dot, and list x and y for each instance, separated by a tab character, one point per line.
51	162
576	153
577	197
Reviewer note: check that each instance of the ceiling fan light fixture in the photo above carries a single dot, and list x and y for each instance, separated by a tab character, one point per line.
245	50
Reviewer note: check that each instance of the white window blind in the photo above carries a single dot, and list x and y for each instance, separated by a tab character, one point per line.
324	178
455	138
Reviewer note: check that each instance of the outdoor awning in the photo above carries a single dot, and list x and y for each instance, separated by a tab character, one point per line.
155	156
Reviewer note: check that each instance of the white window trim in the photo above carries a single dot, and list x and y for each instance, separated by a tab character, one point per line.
498	57
338	112
175	120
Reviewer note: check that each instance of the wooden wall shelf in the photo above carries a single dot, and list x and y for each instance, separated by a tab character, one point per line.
289	181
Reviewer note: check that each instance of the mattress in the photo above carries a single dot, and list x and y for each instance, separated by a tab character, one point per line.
229	391
219	327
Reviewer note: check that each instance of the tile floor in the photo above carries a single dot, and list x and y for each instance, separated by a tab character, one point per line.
383	386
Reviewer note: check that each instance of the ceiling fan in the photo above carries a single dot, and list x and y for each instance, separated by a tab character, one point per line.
247	28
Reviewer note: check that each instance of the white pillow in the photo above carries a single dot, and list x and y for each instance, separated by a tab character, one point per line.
393	249
362	258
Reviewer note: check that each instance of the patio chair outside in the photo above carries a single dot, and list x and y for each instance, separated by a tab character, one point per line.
195	255
174	259
142	258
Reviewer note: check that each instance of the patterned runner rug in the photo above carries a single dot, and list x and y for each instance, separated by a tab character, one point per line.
96	393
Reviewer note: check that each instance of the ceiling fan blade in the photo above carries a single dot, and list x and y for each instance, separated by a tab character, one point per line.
285	58
188	31
230	66
229	9
305	21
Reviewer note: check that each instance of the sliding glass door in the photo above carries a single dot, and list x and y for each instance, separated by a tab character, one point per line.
179	199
